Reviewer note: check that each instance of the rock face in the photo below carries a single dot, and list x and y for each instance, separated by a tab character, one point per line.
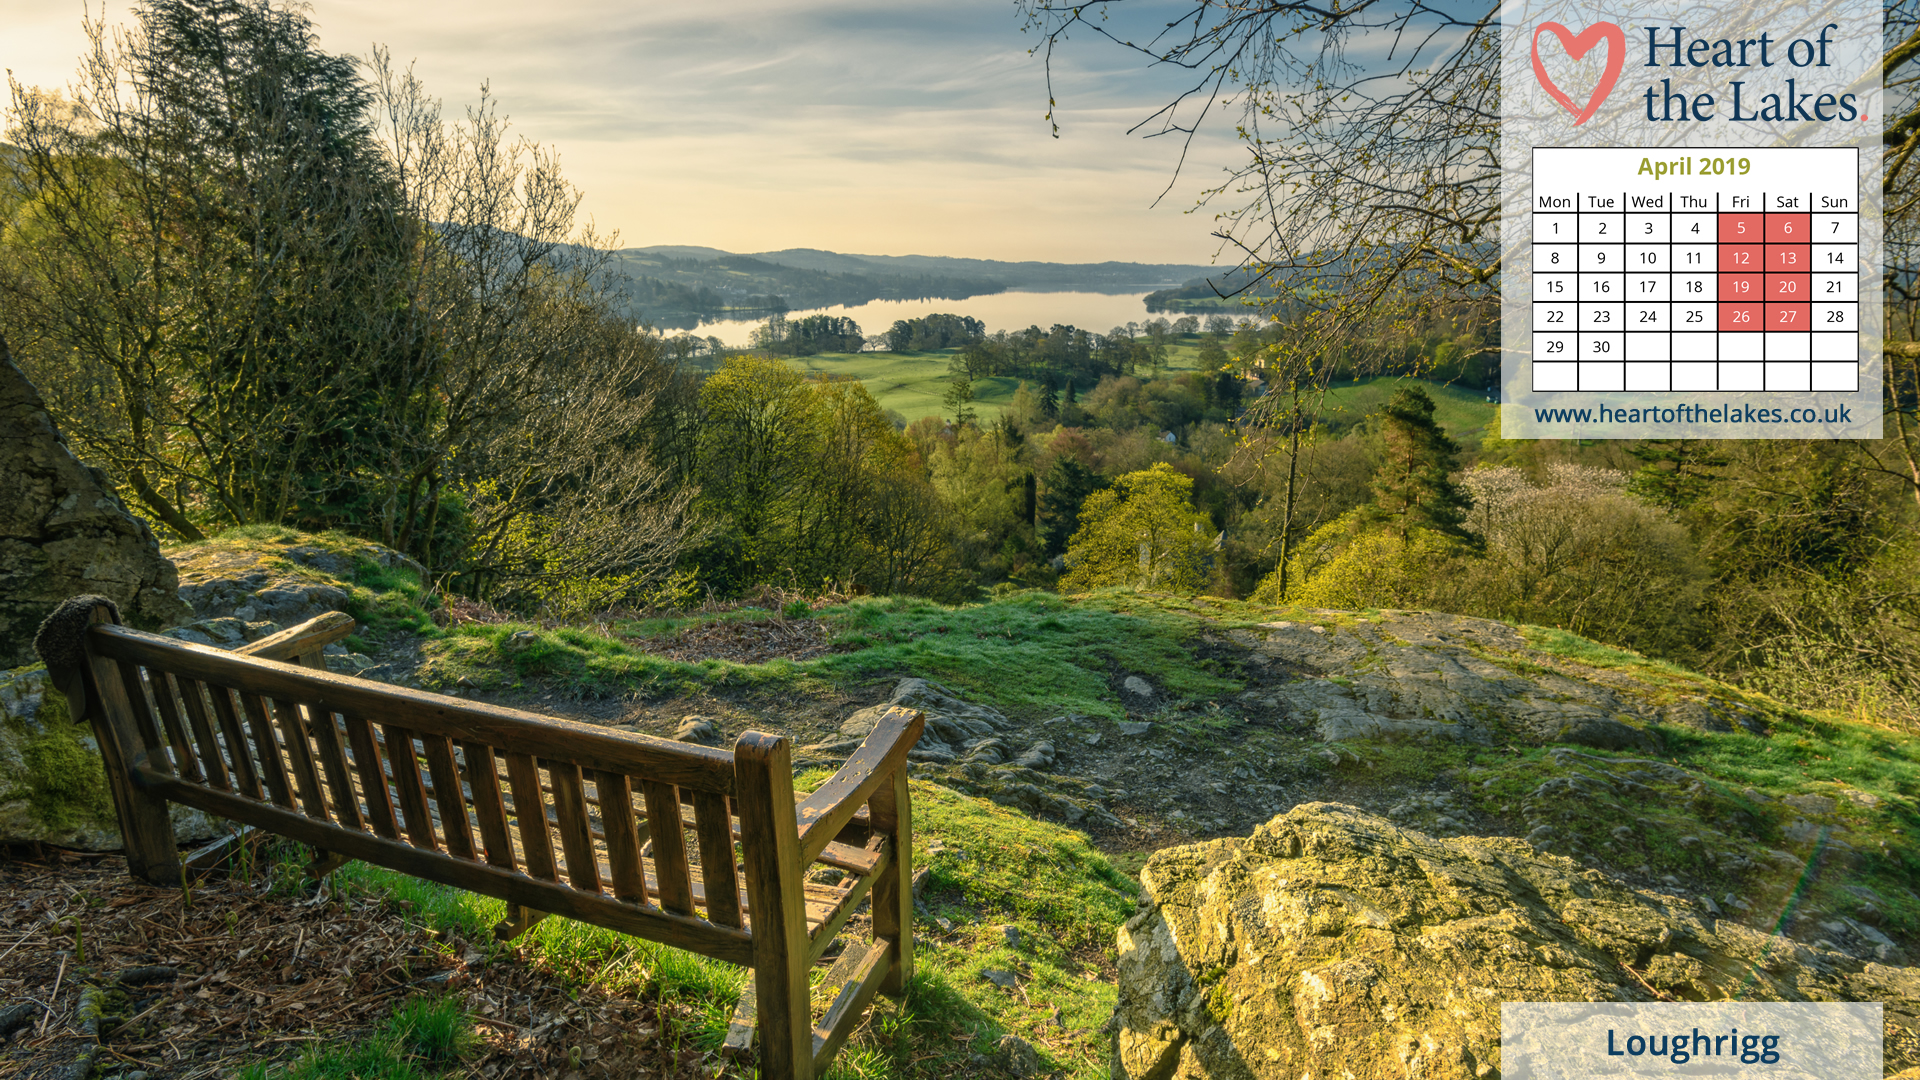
52	787
281	581
64	532
954	727
1415	675
1332	943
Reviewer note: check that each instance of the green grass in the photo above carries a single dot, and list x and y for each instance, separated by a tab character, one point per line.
1462	412
1029	652
424	1037
914	383
991	867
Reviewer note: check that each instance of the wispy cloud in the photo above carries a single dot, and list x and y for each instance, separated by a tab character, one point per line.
888	128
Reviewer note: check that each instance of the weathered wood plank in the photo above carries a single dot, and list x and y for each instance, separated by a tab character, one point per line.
712	824
145	829
373	776
732	946
151	748
623	838
293	733
892	811
669	847
864	976
266	750
193	698
487	805
454	825
163	697
764	800
406	783
245	774
529	809
570	806
682	764
333	759
823	927
309	637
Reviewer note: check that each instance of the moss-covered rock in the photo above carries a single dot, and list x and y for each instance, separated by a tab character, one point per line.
1334	943
53	789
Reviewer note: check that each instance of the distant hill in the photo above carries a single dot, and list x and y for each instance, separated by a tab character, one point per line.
680	286
1017	275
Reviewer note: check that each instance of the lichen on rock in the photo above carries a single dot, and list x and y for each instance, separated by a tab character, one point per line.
53	789
1334	943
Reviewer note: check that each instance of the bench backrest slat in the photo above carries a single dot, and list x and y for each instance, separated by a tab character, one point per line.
455	828
713	825
194	699
246	776
149	732
299	754
530	817
330	749
483	777
403	765
623	836
576	837
266	750
161	687
669	846
683	764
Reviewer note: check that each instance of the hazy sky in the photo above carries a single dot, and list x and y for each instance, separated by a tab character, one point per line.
872	126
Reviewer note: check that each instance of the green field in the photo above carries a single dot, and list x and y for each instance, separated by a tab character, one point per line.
913	383
1464	413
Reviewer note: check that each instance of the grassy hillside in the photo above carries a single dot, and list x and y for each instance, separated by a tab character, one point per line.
1463	412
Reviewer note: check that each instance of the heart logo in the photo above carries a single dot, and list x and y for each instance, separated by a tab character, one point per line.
1578	47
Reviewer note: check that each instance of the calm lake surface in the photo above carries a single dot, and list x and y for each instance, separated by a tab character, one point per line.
1090	311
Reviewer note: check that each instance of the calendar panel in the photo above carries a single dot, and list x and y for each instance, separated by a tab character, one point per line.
1666	282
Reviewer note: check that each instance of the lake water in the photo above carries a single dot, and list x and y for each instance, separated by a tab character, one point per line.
1091	311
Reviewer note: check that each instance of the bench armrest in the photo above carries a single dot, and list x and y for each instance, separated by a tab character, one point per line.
824	813
309	638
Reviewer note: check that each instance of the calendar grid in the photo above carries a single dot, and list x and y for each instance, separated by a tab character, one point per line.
1668	289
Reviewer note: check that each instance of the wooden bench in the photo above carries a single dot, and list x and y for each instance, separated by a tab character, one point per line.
687	845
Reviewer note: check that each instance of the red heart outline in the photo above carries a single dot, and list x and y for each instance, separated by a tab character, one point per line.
1578	47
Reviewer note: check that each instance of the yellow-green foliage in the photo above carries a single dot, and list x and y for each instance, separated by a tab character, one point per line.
1345	564
1142	531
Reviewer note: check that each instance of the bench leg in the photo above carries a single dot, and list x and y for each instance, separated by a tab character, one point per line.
145	828
764	768
892	816
519	920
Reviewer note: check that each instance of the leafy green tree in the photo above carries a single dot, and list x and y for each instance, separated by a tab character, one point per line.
1143	532
1414	487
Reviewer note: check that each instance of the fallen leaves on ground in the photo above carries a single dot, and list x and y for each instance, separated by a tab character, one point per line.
260	975
743	641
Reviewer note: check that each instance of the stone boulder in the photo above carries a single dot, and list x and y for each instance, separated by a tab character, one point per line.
53	789
286	581
1415	675
1333	943
64	532
953	726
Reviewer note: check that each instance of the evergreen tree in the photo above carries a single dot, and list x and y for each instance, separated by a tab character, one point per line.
1414	485
1049	399
1068	483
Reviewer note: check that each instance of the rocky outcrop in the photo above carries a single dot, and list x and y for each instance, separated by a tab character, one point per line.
64	532
1419	675
1333	943
53	789
286	580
